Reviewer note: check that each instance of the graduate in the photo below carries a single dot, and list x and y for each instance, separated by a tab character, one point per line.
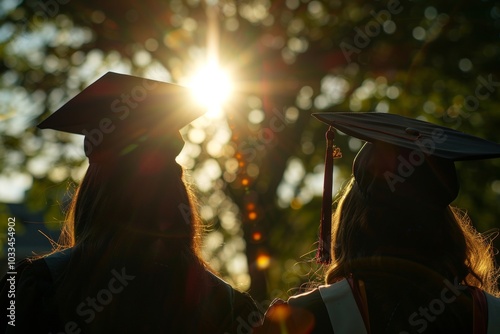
400	258
128	260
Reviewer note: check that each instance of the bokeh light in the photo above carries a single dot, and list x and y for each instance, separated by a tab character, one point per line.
257	236
263	261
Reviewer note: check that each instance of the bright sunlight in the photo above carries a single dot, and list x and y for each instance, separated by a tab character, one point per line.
212	87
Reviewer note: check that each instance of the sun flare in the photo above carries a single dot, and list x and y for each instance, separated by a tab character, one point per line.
212	87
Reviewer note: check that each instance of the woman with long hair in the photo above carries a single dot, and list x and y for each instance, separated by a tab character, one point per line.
403	260
128	260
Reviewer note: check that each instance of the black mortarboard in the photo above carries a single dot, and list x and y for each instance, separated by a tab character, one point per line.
118	112
405	162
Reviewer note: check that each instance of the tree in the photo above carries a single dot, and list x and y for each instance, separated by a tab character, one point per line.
435	61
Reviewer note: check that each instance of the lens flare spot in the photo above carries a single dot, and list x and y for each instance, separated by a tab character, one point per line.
263	261
212	87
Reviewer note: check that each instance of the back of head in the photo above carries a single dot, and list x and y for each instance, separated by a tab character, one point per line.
395	177
401	199
363	229
140	198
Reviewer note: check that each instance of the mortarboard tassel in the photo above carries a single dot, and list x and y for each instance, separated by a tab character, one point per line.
323	254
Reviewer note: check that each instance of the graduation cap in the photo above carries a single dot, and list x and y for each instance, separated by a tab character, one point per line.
118	113
404	163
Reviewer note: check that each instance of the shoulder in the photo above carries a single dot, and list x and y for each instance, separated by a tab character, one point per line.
32	289
239	299
302	313
48	267
312	301
321	295
28	272
306	299
36	277
220	283
236	309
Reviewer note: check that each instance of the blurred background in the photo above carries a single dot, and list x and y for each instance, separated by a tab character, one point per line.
261	67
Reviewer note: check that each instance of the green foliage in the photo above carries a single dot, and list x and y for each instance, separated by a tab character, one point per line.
416	58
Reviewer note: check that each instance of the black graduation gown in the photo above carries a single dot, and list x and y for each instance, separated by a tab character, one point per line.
343	307
126	303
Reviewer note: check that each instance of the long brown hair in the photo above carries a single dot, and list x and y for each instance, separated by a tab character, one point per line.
140	195
442	240
136	213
